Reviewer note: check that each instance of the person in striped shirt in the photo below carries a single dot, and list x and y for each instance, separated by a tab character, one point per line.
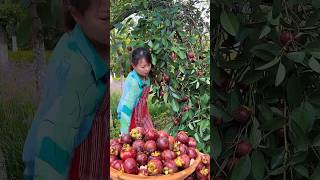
132	108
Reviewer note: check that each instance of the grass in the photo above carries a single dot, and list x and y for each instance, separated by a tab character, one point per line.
15	113
26	56
158	111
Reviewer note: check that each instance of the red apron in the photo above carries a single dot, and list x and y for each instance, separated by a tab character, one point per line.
90	160
140	115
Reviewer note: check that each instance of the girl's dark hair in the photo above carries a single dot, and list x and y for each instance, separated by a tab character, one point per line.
79	5
140	53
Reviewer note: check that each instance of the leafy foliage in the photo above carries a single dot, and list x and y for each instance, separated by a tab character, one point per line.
267	59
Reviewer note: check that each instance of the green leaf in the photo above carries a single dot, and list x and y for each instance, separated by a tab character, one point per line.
297	57
217	144
295	89
269	64
255	136
276	8
150	44
234	101
313	47
281	74
265	112
316	141
303	171
316	173
204	99
266	30
181	54
304	116
274	21
298	137
266	51
181	69
190	126
154	59
230	23
242	169
219	113
165	97
316	4
314	64
175	106
278	171
196	136
258	164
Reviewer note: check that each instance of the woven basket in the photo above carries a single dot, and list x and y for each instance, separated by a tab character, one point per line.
117	175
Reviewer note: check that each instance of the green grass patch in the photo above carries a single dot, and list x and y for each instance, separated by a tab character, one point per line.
14	113
26	56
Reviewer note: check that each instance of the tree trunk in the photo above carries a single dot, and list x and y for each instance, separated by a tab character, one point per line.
4	62
38	48
14	40
121	77
111	120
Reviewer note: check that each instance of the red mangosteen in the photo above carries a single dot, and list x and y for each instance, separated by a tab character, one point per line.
138	145
151	134
117	164
205	159
192	153
150	146
182	136
168	155
112	158
162	133
243	148
183	161
142	159
130	166
155	155
137	133
242	114
286	37
173	56
192	142
170	167
115	149
126	139
127	152
172	140
155	167
163	143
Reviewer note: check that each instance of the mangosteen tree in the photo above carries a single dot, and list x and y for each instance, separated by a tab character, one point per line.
266	90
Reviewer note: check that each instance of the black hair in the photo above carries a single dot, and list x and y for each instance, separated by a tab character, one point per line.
140	53
79	5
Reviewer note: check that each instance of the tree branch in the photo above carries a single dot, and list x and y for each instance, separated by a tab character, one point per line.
135	9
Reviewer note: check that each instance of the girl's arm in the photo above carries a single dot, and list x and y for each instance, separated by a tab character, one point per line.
131	94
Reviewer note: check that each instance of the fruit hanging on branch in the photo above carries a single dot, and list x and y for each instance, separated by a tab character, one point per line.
173	56
191	56
243	148
242	114
286	37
